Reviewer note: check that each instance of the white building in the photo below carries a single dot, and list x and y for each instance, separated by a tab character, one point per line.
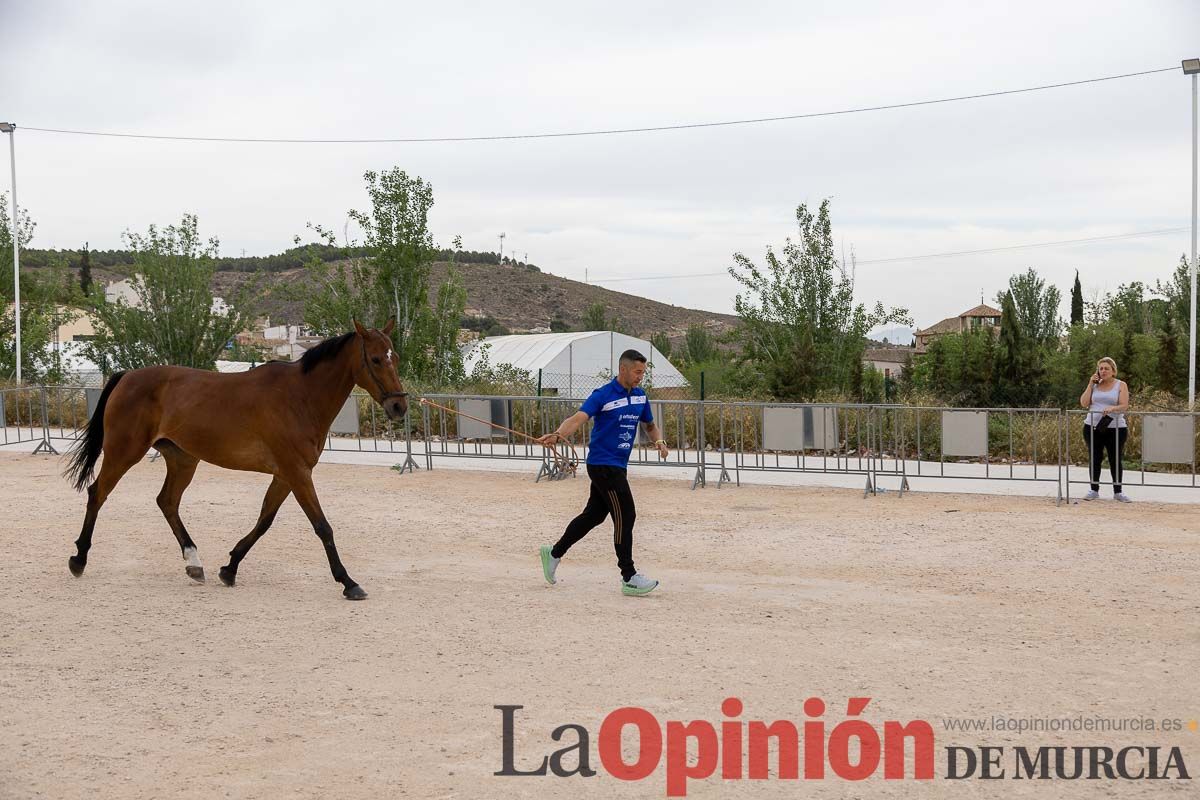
573	364
124	291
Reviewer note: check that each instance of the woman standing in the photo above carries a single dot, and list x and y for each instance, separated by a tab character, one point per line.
1104	430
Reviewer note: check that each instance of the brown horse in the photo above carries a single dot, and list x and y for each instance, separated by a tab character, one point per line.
272	419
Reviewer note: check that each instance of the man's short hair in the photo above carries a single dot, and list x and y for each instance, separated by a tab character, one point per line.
632	355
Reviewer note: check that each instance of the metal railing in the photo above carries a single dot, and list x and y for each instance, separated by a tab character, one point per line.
1012	444
1151	448
868	442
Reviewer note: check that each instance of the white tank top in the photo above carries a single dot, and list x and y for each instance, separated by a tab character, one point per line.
1102	399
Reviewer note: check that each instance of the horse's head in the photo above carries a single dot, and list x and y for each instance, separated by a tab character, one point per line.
376	369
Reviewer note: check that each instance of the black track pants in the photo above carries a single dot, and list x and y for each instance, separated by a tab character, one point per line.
1106	442
610	496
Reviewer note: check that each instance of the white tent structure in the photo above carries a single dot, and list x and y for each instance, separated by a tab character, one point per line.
573	364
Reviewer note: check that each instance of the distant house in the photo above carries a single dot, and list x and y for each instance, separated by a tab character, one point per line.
77	325
981	316
888	360
121	291
124	291
71	324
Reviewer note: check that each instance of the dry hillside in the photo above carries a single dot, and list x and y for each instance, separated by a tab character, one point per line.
517	298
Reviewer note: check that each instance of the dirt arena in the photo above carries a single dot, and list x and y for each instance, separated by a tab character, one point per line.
133	681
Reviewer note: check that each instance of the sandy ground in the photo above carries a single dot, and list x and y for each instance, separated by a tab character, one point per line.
135	682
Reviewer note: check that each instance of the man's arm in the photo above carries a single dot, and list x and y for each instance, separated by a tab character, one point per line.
565	430
656	436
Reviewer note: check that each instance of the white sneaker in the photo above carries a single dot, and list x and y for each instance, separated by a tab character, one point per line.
638	585
1092	495
549	564
1121	497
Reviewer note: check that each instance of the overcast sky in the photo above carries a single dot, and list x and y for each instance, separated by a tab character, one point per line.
1086	161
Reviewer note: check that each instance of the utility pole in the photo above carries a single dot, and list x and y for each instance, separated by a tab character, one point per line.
11	129
1191	66
502	248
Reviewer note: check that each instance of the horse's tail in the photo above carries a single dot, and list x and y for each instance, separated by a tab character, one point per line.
86	451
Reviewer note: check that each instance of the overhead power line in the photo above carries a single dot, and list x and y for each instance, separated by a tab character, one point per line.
604	131
861	262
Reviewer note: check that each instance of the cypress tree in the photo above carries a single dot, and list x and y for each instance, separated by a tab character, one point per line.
85	270
1077	302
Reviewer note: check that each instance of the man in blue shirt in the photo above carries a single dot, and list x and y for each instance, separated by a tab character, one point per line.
618	408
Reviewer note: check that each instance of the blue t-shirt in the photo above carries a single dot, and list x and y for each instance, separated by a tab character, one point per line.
616	413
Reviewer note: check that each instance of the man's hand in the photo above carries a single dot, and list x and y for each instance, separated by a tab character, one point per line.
663	452
549	439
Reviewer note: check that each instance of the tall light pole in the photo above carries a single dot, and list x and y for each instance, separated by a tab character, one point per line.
11	129
1191	66
502	247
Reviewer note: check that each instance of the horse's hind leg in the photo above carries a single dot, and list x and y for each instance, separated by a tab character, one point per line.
117	461
277	492
181	467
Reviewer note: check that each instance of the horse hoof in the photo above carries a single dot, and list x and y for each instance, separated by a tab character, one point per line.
76	565
355	592
195	573
228	576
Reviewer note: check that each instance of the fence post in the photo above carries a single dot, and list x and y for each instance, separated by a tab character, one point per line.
410	463
1061	428
870	488
45	446
700	479
428	441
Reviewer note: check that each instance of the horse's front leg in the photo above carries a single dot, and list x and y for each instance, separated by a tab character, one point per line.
301	484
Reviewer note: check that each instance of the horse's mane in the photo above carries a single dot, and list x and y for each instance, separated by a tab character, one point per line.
325	351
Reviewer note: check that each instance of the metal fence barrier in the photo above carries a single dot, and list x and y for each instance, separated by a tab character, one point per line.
1011	444
445	434
36	413
794	437
1152	448
871	442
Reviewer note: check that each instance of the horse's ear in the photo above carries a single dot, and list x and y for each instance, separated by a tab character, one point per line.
387	329
360	329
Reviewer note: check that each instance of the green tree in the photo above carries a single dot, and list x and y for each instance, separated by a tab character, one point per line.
1036	306
976	385
1077	301
390	280
595	318
906	382
175	320
871	381
1143	354
856	383
800	326
662	343
85	271
699	345
1129	308
1168	378
1016	361
451	303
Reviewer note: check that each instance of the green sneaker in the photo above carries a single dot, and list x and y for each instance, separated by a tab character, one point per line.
638	585
549	564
